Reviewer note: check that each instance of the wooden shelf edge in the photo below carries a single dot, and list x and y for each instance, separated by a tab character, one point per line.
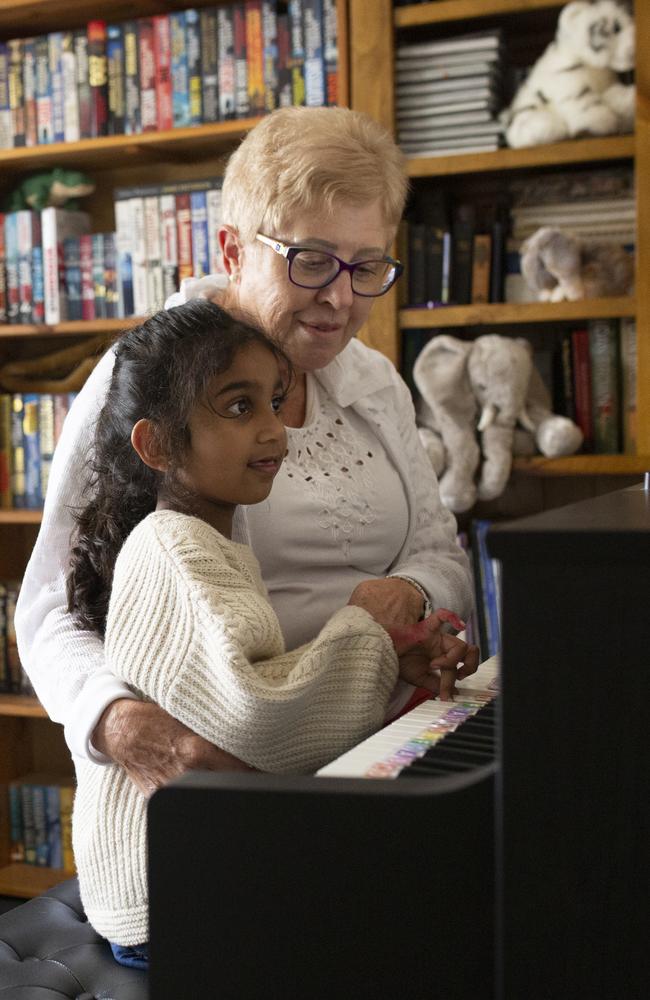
26	881
21	516
584	465
516	312
616	147
21	705
74	328
418	15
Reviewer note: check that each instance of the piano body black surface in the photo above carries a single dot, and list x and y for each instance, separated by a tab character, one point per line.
523	879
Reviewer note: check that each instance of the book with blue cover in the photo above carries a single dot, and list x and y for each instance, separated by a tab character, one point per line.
179	74
32	447
56	83
199	218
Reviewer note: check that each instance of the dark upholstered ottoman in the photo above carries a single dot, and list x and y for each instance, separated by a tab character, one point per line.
49	950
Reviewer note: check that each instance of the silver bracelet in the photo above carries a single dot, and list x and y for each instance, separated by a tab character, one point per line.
420	589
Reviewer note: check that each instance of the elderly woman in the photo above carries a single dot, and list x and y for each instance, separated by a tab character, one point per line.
312	199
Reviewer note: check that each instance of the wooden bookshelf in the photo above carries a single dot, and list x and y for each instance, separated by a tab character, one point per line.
419	15
74	328
21	705
26	881
502	313
584	465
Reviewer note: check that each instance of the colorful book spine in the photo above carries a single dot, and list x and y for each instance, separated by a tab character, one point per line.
6	123
17	452
53	826
124	257
55	40
139	258
29	832
132	122
199	217
481	266
605	396
184	236
56	224
72	265
629	384
270	53
147	64
29	237
31	444
163	57
5	452
180	82
66	797
331	51
226	52
285	95
99	286
209	66
254	57
297	51
82	71
153	252
12	282
29	91
86	272
40	824
98	77
116	79
110	275
315	83
169	245
46	438
16	91
70	95
16	824
242	105
193	40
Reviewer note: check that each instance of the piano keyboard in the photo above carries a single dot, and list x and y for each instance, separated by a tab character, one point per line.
405	748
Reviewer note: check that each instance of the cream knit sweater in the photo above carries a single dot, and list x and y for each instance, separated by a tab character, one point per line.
189	627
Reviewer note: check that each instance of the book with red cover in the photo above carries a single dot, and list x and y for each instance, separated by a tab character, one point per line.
147	63
98	78
582	386
242	104
255	57
163	55
184	236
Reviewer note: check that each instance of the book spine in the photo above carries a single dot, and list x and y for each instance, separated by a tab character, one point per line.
315	83
131	79
11	267
605	399
71	129
14	669
215	219
53	826
139	258
3	276
199	218
433	252
180	82
116	79
331	51
61	406
242	106
209	66
497	268
564	398
6	123
110	276
56	83
147	66
29	91
169	245
16	824
72	265
447	246
36	264
29	833
184	236
86	269
53	313
582	386
46	437
461	267
66	798
24	225
40	825
226	50
98	77
417	293
124	261
270	53
17	452
16	91
44	132
629	384
153	251
163	56
254	57
84	96
99	287
193	38
481	266
5	453
285	94
297	51
31	444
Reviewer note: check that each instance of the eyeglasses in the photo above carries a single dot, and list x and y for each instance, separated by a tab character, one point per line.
317	268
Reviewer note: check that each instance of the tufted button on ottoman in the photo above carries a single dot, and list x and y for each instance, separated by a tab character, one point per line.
49	951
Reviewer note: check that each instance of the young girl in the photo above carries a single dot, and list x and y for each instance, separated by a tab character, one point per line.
191	428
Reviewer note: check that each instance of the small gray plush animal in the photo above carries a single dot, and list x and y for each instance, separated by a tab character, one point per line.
558	265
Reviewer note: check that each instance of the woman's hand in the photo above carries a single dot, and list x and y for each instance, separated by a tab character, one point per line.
432	658
153	747
390	601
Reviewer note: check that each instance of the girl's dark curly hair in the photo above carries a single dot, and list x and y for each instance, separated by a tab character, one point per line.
162	369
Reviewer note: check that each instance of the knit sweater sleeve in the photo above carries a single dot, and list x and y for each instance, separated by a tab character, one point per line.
190	628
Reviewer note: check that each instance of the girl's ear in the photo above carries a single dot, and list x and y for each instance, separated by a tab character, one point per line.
145	443
231	251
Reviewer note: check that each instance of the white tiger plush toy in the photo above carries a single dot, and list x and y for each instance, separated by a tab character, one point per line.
573	88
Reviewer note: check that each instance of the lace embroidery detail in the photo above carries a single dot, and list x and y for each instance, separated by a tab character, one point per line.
336	463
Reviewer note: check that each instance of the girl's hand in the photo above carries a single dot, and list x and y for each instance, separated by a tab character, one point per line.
431	657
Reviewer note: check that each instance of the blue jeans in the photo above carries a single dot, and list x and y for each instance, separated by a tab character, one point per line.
134	956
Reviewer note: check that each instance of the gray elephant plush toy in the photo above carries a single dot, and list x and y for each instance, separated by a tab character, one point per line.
488	391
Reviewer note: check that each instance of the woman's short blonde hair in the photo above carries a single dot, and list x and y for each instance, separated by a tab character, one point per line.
300	160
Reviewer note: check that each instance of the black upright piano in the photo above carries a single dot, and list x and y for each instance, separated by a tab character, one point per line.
523	877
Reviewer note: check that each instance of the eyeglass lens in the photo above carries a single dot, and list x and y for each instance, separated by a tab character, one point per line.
312	269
